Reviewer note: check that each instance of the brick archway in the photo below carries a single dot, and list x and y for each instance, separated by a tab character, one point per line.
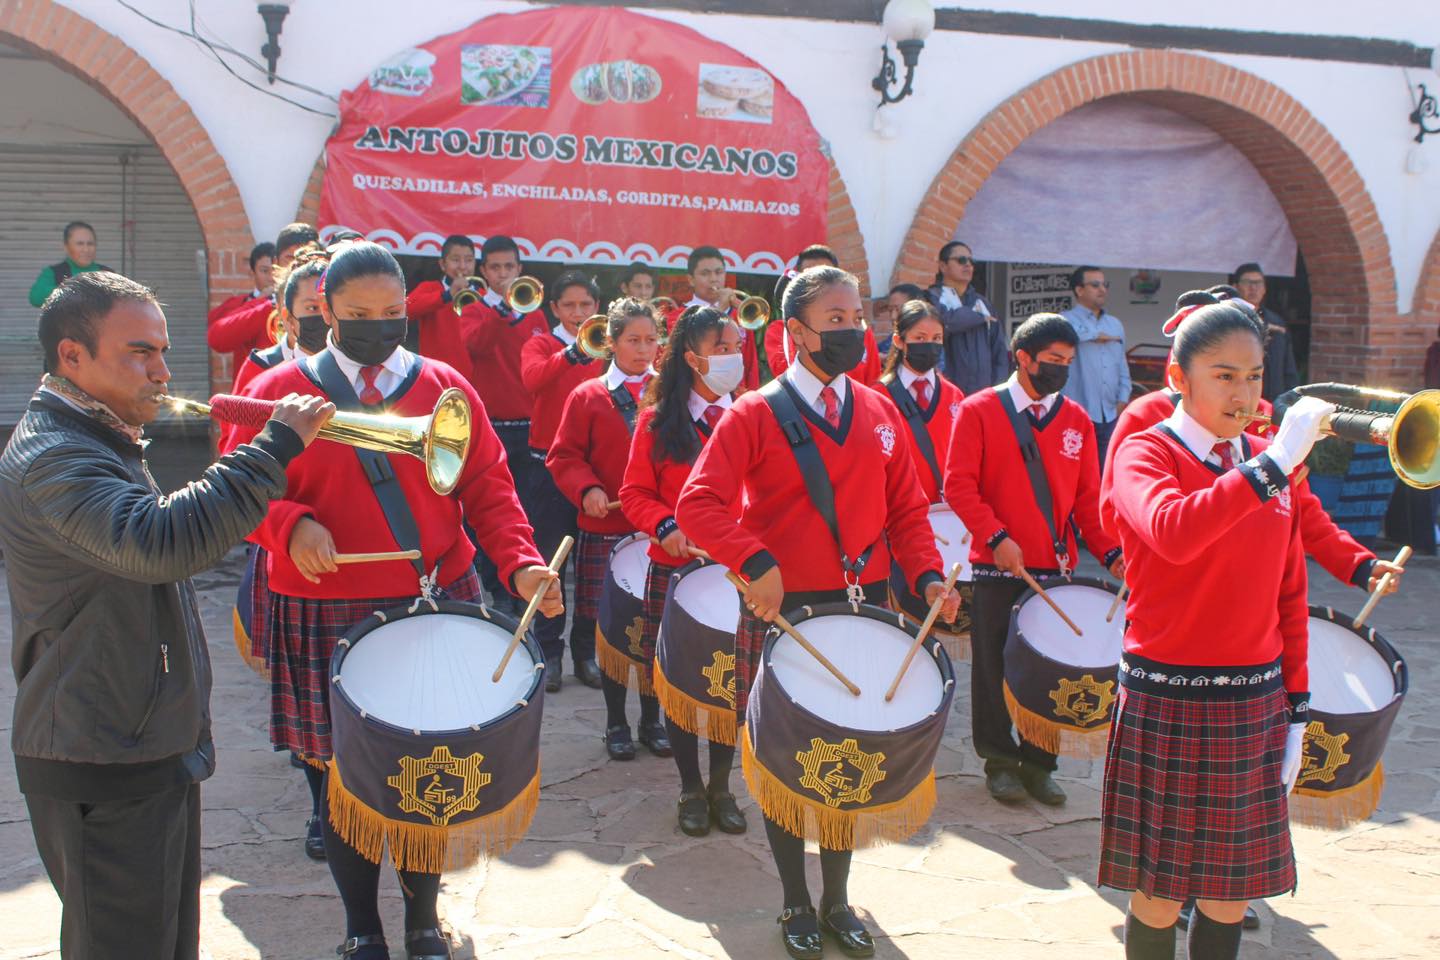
1357	334
105	62
1425	309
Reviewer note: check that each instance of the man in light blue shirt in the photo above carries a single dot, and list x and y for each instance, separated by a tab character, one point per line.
1100	375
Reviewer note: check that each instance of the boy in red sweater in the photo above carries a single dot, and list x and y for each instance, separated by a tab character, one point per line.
262	274
706	267
435	329
989	487
246	326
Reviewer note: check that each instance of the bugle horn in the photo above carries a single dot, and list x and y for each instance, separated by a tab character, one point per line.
440	440
593	337
471	294
753	313
525	295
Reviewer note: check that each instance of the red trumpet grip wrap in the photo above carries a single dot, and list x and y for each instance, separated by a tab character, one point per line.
241	411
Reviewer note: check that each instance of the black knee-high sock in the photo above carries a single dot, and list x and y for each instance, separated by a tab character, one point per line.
315	779
789	853
835	874
722	760
1144	942
422	893
614	702
358	881
649	708
1213	940
687	757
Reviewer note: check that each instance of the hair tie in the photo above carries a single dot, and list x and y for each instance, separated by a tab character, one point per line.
1173	324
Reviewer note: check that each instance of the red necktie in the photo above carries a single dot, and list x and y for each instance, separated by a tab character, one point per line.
635	386
922	393
1226	452
713	414
370	394
832	407
1037	410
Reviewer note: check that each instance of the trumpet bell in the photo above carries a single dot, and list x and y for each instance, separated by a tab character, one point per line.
753	313
476	291
525	295
593	337
1414	440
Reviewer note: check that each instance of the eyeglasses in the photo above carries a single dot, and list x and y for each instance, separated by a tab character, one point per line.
963	261
1098	284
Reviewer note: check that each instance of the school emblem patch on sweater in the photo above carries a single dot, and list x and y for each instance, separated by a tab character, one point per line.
1070	443
886	435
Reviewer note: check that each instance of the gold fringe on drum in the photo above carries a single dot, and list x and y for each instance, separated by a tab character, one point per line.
620	666
714	723
242	647
430	849
828	826
1337	809
1054	737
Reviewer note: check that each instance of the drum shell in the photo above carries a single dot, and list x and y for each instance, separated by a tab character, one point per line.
621	614
695	668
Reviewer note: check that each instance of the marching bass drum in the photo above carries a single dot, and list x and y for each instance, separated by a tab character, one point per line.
954	548
620	619
695	654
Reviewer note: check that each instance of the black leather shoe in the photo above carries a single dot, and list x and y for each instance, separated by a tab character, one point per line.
1004	785
800	933
552	677
354	945
1252	919
618	743
694	814
314	840
1042	786
653	735
726	813
850	934
414	938
588	673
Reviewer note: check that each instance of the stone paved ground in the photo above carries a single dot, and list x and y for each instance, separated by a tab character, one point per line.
605	872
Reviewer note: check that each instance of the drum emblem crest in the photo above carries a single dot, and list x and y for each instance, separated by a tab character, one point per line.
840	772
886	434
635	633
1070	443
721	675
441	785
1084	701
1323	755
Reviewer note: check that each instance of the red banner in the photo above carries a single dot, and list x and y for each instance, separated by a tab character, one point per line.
591	135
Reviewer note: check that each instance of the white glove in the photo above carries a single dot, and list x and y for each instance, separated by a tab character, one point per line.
1294	755
1298	432
949	299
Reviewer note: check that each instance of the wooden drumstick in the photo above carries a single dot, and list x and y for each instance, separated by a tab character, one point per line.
553	570
965	539
694	551
1119	599
1033	584
613	505
375	557
809	648
1400	560
924	632
942	540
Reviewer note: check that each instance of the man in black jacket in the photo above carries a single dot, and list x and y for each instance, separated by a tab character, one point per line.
112	724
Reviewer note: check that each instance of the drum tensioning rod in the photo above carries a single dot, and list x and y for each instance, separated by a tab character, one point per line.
795	635
1381	588
924	631
553	574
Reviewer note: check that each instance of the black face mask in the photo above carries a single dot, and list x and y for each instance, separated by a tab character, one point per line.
922	357
370	342
840	350
313	330
1050	378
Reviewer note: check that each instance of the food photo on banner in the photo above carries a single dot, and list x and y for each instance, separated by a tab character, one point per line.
595	137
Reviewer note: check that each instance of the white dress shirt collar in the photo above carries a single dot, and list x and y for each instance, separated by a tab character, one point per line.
1197	439
288	352
809	387
908	378
563	335
392	370
698	405
614	376
1022	399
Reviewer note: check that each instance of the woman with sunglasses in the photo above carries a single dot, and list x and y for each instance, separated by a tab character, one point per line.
977	354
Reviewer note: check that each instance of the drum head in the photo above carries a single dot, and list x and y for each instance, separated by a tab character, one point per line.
1086	605
1347	674
629	563
869	651
432	672
709	598
944	522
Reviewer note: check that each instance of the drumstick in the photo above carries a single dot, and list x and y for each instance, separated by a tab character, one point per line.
784	624
1119	599
965	539
553	572
373	557
924	632
1381	587
613	505
1034	585
694	551
942	540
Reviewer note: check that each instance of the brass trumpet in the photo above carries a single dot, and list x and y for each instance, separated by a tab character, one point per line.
441	440
753	313
524	295
593	337
663	304
472	294
275	323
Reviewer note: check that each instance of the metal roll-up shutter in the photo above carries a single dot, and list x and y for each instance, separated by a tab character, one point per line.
146	229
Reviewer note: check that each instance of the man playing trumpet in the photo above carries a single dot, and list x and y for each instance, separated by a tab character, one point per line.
706	267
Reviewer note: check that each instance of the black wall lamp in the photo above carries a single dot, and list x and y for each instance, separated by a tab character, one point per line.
274	15
908	23
1426	109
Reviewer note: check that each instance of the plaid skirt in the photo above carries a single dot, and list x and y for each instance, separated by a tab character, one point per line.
1193	805
301	634
592	561
254	610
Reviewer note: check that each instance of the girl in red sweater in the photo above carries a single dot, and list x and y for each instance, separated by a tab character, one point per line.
330	507
878	503
702	366
1210	721
587	462
926	401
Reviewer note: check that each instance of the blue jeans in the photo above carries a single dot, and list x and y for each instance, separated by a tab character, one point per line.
1103	433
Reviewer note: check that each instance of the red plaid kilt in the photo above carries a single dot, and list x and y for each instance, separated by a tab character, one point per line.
657	586
1193	805
304	632
257	578
592	562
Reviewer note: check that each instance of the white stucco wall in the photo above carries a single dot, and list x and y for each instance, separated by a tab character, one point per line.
271	146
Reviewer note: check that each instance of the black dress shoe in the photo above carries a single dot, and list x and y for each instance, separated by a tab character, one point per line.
1004	785
415	939
800	933
694	814
354	945
618	743
1042	786
314	839
850	934
552	677
588	673
652	734
726	813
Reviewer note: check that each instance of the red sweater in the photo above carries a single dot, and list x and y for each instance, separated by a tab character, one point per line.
1334	549
245	327
550	372
747	349
590	450
867	371
1214	562
652	488
428	307
326	482
494	343
940	419
987	486
876	497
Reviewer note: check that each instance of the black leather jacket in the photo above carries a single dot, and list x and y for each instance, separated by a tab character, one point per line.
112	671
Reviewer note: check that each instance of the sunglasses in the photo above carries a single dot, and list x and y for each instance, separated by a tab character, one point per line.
963	261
